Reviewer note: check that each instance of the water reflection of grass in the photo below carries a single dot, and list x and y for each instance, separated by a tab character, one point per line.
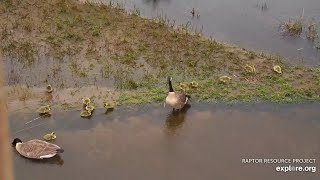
104	43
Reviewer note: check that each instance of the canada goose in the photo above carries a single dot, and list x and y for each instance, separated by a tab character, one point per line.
90	107
176	99
50	136
44	109
49	89
277	69
250	68
109	105
184	87
86	114
194	84
86	101
36	149
225	79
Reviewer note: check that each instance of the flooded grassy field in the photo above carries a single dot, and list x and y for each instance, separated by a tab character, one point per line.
108	53
204	141
104	50
252	24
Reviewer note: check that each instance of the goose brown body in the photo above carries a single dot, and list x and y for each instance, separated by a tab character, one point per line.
37	149
176	99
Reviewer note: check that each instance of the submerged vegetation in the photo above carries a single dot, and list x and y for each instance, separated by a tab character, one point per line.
69	45
296	27
312	33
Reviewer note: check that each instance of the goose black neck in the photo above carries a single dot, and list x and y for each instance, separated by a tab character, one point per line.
170	86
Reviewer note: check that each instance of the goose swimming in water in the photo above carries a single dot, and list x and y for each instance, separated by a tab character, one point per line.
36	149
176	99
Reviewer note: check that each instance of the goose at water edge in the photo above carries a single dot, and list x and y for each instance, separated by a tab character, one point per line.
177	100
36	149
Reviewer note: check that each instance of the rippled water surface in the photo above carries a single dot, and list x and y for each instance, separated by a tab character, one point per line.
151	142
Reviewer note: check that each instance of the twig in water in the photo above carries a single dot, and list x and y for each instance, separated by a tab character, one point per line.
29	128
36	118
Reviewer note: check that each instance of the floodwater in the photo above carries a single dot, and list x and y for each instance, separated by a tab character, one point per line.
243	22
150	142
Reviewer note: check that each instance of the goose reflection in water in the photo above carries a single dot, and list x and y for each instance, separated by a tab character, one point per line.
175	119
56	160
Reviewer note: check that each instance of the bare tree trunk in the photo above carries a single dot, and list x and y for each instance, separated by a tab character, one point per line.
6	172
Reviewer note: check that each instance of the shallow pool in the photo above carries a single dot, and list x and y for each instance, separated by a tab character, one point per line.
151	142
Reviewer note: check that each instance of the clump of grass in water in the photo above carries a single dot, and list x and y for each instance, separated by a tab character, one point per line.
135	11
312	32
195	13
294	27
